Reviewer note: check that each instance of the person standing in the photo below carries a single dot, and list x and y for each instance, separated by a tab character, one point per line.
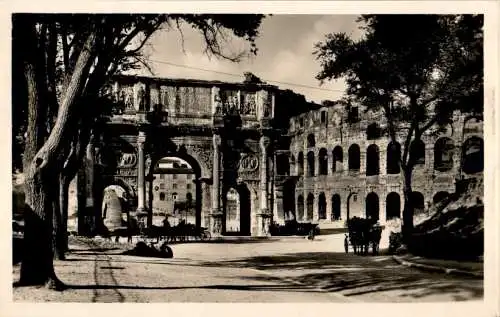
346	243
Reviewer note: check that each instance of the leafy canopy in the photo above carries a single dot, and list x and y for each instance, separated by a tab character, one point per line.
425	66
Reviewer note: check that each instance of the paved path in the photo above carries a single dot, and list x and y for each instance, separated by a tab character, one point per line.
290	270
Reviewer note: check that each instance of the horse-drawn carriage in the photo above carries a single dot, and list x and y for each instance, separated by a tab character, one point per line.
363	233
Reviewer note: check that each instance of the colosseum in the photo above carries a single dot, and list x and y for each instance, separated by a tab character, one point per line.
345	165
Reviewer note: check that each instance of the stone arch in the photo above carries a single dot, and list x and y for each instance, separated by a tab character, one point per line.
473	155
393	206
323	161
183	153
115	207
300	164
393	157
440	196
443	154
417	152
372	160
354	205
338	159
354	157
336	207
300	208
311	141
129	189
417	202
310	207
372	206
199	158
310	163
322	206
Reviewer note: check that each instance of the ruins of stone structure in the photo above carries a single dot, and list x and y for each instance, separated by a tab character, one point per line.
285	158
347	166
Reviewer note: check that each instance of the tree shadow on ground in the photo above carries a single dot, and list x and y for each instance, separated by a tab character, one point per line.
353	275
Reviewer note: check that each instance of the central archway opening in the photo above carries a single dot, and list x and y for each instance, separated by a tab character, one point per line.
237	211
174	193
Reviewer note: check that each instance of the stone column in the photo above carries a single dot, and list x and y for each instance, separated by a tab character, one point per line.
329	155
206	202
141	184
216	215
264	216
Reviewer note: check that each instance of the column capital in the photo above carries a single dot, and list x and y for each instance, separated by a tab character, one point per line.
141	138
216	139
264	142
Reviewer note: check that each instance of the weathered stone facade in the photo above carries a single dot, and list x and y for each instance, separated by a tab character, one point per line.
222	130
344	164
284	157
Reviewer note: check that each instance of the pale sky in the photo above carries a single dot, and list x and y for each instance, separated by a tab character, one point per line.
285	46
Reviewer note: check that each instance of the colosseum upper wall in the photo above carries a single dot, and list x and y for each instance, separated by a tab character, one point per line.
346	166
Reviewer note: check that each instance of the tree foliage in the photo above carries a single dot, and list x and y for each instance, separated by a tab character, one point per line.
416	69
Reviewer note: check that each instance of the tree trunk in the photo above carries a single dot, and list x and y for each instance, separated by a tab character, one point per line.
37	267
41	185
407	227
61	220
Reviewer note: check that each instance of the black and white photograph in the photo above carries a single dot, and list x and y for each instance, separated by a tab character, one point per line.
205	157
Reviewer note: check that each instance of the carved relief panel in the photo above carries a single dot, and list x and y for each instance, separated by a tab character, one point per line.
248	104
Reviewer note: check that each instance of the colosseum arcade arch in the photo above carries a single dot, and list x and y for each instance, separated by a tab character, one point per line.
393	206
311	141
354	205
473	155
354	158
338	159
443	154
418	202
310	164
372	160
323	161
440	196
336	207
372	206
322	206
300	164
393	157
300	208
310	207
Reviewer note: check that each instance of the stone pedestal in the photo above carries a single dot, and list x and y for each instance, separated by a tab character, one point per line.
264	223
216	223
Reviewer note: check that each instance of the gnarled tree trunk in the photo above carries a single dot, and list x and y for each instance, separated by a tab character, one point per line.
41	171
